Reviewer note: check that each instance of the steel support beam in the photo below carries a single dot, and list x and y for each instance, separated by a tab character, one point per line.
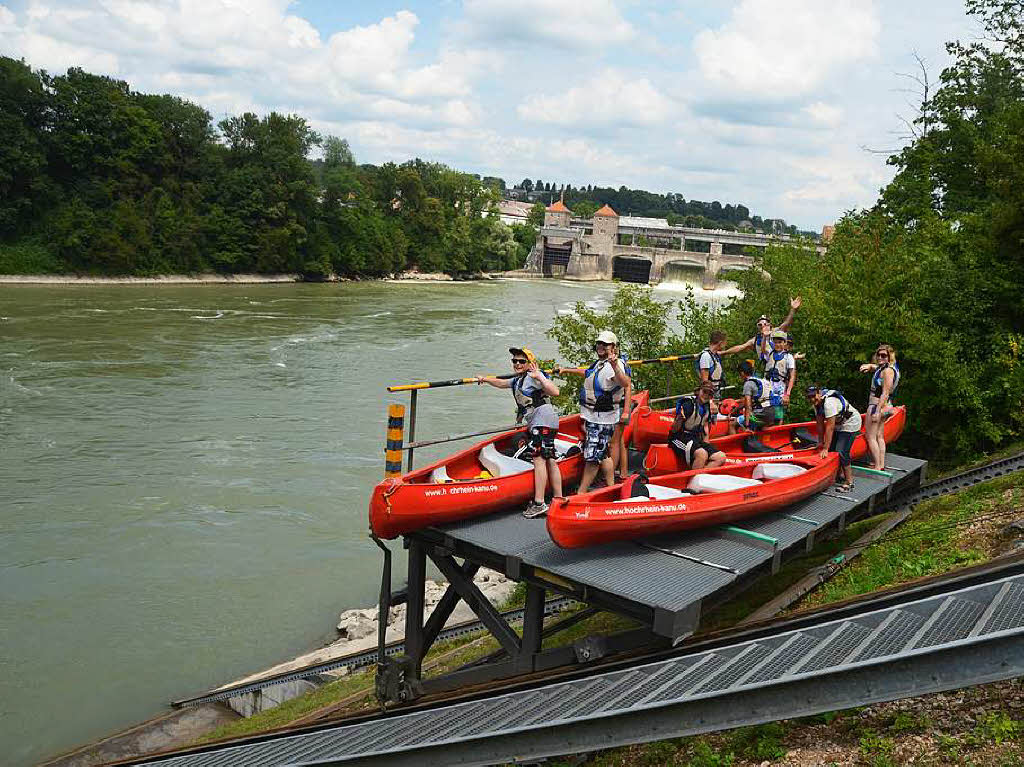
478	603
909	676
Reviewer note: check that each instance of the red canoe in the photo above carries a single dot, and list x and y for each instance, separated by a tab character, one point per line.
686	500
651	427
661	459
478	480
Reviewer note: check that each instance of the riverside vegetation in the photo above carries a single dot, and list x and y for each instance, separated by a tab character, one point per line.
96	178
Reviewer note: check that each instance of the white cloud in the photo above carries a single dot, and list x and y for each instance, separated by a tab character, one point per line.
608	98
231	55
824	114
785	48
545	23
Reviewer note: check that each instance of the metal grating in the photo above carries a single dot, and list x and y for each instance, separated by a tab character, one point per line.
897	633
738	669
695	676
1010	613
835	650
780	665
652	683
955	622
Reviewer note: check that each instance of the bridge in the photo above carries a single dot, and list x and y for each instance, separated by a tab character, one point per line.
638	249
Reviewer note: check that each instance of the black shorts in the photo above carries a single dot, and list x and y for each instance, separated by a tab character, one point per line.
542	440
685	448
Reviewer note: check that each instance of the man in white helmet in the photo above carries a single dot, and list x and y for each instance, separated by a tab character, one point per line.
605	383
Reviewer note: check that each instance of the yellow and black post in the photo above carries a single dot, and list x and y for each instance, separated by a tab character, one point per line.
393	446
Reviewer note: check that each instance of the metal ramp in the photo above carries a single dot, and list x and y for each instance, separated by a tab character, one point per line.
945	634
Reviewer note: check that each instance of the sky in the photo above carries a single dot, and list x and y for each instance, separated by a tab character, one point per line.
785	106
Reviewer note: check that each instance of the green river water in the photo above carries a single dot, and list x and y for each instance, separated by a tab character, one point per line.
184	473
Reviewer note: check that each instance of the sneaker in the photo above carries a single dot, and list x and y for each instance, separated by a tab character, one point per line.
534	509
844	488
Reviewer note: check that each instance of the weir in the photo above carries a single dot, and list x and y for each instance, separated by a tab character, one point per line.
638	249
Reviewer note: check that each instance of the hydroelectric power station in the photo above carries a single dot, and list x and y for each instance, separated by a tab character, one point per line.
637	249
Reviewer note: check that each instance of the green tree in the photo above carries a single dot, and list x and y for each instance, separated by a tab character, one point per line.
536	215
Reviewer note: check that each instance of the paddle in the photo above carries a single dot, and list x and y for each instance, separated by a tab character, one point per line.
463	381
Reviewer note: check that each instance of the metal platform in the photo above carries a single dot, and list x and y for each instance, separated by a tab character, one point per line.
664	582
947	634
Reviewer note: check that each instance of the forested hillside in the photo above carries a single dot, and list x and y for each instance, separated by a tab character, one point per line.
96	178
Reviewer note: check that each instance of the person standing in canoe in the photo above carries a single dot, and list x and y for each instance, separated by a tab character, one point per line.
838	425
532	391
780	370
689	434
884	380
761	342
604	387
709	361
757	403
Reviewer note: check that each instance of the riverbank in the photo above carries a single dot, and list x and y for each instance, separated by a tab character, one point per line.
222	279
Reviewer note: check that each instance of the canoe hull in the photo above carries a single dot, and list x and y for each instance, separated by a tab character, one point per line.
400	505
595	518
661	459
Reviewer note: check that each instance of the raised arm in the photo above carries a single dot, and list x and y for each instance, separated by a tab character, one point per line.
794	304
550	387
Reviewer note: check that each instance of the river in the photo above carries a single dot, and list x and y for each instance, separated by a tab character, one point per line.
185	472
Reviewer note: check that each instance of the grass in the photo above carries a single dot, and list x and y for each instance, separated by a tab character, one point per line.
928	543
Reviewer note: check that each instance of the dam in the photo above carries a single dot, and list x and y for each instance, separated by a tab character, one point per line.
637	248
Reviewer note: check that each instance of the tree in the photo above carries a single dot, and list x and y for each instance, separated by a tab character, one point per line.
24	186
536	215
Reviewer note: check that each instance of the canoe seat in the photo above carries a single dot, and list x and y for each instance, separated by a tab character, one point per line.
777	470
502	465
440	475
660	492
720	483
563	446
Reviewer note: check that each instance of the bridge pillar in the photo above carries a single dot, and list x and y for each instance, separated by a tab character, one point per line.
710	281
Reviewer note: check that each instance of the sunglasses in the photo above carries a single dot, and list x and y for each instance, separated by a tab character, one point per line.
518	361
882	354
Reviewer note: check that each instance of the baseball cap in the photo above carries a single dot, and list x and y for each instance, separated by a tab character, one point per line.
811	390
524	351
778	335
607	337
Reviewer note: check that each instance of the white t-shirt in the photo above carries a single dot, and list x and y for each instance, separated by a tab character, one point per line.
606	378
831	406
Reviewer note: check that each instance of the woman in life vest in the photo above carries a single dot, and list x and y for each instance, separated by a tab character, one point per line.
885	378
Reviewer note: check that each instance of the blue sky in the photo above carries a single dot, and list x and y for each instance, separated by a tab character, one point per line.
769	103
